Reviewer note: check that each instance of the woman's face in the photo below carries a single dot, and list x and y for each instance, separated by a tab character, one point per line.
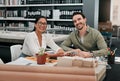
41	25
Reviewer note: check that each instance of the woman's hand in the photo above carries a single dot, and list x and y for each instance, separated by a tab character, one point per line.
78	52
59	53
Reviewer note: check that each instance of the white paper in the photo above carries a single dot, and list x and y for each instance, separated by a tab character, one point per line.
22	61
117	59
25	61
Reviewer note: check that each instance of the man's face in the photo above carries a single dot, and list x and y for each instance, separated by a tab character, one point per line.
79	21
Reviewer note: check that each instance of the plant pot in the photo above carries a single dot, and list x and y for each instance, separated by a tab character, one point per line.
41	59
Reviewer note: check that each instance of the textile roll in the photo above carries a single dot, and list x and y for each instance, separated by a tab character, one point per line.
30	76
48	69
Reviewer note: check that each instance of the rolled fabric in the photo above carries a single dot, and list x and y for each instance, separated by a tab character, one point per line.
30	76
76	62
48	69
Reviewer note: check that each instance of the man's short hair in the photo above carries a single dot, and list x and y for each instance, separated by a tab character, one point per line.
78	13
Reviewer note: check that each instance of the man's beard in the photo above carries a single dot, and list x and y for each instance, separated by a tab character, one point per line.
80	28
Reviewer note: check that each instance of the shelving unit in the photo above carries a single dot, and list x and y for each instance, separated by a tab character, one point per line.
22	14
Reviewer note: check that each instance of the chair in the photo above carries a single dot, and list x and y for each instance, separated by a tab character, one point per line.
15	51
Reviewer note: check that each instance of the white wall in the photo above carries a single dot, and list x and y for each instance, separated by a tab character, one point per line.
115	12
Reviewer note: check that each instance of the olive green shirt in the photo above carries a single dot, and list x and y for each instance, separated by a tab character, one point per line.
93	42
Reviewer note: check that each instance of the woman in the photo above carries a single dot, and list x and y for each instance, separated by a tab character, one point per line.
36	40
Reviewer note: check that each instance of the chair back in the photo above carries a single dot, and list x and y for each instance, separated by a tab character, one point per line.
1	62
16	50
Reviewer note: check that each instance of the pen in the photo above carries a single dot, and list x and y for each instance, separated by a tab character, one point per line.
114	51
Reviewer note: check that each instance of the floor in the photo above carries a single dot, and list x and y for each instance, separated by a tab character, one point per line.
116	44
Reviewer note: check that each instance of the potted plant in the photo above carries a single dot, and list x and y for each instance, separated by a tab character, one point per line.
41	56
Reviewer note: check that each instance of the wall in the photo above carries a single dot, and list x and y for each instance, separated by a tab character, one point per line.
104	10
91	10
109	10
116	12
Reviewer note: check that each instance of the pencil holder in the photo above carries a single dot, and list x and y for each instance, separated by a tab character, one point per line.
111	59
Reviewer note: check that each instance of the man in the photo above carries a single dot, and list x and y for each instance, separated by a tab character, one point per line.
86	41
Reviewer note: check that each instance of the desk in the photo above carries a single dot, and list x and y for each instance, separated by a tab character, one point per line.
99	70
113	74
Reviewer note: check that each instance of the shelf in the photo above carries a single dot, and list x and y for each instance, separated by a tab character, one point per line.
76	4
16	18
58	13
37	5
28	19
59	19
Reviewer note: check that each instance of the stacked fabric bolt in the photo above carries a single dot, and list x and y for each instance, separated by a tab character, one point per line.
76	61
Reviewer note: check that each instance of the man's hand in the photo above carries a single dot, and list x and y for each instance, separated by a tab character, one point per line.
84	54
73	52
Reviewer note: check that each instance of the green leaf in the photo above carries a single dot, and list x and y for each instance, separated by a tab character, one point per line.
41	52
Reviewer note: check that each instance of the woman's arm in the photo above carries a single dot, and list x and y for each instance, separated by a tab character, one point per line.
59	53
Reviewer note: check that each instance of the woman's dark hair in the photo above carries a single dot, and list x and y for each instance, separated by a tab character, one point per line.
37	19
78	13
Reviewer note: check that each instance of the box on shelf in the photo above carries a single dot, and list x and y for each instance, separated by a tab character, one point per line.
105	26
56	14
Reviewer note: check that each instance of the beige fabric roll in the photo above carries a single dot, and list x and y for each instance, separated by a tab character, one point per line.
48	69
29	76
78	63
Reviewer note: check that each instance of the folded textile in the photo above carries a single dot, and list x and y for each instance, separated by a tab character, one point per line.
48	69
76	61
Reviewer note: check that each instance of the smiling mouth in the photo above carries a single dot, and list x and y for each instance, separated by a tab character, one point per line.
79	25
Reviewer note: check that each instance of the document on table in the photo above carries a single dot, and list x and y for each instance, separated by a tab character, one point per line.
25	61
117	59
22	61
